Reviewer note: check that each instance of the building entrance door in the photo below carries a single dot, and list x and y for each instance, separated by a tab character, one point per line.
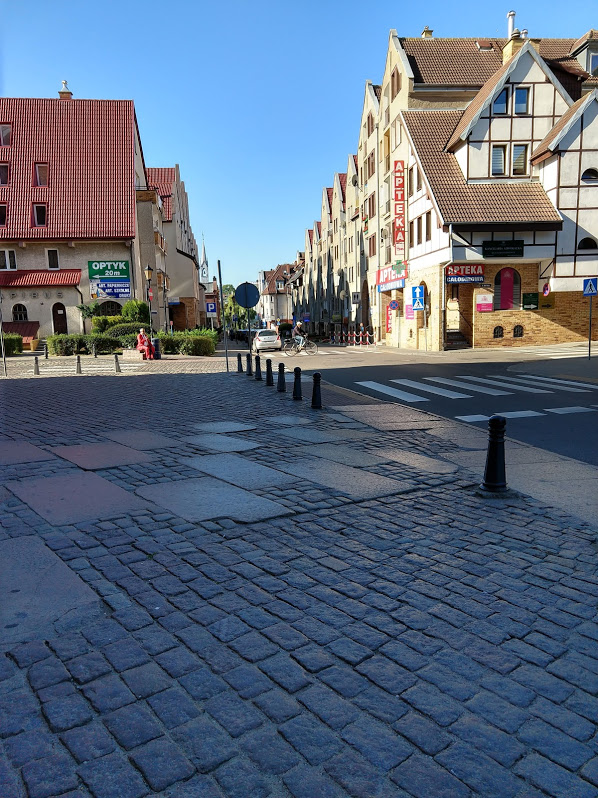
59	321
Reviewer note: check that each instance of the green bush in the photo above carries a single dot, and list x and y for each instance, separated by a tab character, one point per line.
135	310
195	345
168	343
128	341
66	344
13	344
125	328
100	324
103	343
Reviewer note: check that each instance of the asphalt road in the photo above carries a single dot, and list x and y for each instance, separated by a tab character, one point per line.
558	404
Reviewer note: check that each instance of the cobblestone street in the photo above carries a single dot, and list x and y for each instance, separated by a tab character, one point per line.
279	601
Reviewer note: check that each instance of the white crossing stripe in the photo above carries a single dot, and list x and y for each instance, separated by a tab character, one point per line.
519	414
584	385
554	384
472	418
381	388
429	389
475	388
563	410
501	382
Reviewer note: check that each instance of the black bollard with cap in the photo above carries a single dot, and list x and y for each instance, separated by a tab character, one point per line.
269	375
282	386
94	349
495	478
45	351
239	363
316	394
78	368
36	365
297	384
116	365
249	366
258	369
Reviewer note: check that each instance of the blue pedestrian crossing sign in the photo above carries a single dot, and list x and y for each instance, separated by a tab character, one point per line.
590	286
417	293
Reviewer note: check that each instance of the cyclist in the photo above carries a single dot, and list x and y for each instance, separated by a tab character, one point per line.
297	334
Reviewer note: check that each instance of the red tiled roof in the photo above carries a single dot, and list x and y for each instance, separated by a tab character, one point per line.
591	34
330	192
355	161
319	226
377	91
276	274
460	202
26	329
162	179
37	278
89	146
343	181
544	147
311	236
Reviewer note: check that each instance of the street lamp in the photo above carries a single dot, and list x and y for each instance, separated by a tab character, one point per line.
148	276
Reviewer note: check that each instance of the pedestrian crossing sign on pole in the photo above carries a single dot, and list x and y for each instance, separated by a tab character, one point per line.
590	286
417	293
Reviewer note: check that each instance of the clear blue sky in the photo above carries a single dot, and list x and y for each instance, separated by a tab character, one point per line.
259	102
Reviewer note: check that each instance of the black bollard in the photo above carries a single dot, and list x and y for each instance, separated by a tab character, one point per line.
36	365
249	366
116	365
258	369
78	368
495	480
282	386
297	384
46	351
239	363
316	395
269	375
95	351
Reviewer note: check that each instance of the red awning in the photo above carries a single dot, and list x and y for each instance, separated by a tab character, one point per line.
38	278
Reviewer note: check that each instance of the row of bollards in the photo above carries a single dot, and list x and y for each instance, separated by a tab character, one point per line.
316	399
78	370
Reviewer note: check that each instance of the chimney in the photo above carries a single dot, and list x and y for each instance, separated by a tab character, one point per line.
510	23
65	93
427	33
513	46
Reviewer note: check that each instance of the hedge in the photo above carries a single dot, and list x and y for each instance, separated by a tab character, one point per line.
189	342
13	344
81	344
124	328
100	324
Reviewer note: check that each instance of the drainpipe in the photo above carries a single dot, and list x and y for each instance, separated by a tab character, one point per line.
77	289
443	281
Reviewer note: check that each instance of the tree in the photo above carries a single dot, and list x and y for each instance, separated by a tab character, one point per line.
135	310
89	311
232	308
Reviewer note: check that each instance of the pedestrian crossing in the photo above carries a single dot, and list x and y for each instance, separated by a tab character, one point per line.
557	351
467	386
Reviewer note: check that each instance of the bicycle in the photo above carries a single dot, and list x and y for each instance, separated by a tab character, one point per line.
293	348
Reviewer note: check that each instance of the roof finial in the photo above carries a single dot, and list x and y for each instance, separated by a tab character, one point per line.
65	93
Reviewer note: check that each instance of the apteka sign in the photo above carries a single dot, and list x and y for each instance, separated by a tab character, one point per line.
465	273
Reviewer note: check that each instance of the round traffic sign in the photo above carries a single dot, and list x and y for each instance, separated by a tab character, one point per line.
546	289
247	295
393	305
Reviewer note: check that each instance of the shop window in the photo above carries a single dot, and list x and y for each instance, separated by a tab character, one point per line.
500	104
39	216
4	173
40	174
519	159
587	243
455	292
498	332
3	215
19	313
499	159
8	259
518	331
522	100
53	259
5	135
507	290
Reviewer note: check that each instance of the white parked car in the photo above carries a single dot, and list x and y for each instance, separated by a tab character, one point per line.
266	339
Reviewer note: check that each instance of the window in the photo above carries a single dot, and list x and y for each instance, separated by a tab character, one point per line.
507	290
429	226
587	243
39	216
371	164
411	182
455	292
19	313
5	135
499	157
4	172
519	159
8	259
518	331
370	124
372	246
521	100
40	174
3	215
593	63
411	239
418	179
590	174
52	259
500	104
371	205
395	83
351	244
419	229
498	332
395	134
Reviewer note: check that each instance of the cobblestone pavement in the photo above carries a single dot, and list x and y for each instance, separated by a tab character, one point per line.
426	642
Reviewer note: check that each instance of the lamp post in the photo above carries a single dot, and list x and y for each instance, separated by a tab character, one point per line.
148	276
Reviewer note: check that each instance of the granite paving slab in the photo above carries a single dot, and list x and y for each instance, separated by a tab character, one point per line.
354	482
72	498
224	426
91	456
140	439
205	499
36	589
392	417
324	436
342	454
290	421
12	452
419	461
238	470
222	443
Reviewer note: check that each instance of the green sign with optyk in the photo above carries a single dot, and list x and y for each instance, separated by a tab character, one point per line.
108	269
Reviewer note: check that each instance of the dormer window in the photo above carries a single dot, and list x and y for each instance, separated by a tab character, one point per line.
5	135
500	104
522	100
40	174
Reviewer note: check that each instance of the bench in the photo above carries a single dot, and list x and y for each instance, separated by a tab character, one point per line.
132	354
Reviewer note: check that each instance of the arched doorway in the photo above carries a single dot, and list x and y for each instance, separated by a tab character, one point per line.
59	321
110	308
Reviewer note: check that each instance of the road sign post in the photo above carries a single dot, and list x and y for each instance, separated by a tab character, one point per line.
590	288
417	292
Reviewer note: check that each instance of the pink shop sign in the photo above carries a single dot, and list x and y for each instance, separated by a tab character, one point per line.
484	303
408	311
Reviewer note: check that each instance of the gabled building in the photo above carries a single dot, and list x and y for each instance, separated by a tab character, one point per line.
275	305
